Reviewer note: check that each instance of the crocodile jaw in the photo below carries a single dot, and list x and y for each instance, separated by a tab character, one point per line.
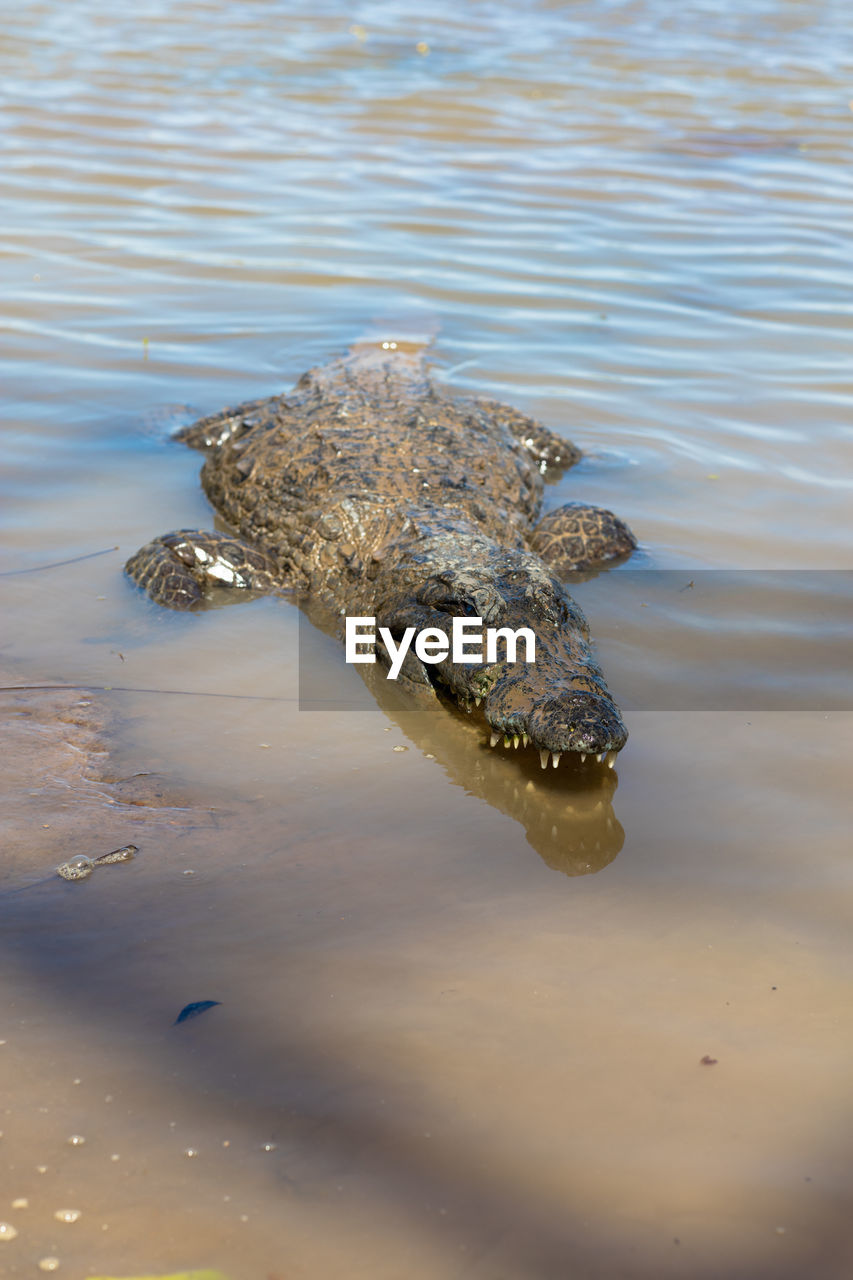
571	722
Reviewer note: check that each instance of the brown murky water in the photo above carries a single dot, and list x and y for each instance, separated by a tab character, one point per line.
462	1003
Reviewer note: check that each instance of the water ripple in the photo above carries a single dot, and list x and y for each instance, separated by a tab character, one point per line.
632	219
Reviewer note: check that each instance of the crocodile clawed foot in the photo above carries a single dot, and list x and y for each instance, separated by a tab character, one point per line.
578	536
180	570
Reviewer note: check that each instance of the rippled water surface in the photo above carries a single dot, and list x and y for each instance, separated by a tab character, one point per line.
463	1005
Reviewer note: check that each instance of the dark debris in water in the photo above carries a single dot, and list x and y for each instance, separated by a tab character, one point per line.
194	1009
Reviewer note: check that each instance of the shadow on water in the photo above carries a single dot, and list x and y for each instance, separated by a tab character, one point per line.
309	1102
267	1072
336	964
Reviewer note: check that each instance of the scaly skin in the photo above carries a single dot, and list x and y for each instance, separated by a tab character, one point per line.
371	491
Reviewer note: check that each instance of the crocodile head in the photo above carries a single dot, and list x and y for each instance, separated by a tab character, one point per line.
554	704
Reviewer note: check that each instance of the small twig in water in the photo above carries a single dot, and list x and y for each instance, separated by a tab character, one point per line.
118	688
56	564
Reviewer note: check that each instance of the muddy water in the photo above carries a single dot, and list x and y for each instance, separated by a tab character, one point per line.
462	1003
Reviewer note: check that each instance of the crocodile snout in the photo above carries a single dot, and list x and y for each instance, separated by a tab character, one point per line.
583	722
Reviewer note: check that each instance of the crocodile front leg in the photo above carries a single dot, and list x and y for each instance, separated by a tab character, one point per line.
179	570
552	452
577	536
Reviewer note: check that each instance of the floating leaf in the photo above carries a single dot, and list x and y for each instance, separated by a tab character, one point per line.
192	1011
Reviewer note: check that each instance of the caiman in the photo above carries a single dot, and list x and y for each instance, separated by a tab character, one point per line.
370	490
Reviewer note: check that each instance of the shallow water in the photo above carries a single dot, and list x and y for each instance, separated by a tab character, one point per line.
463	1002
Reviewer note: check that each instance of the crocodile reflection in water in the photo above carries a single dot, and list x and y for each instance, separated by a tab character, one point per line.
374	492
567	814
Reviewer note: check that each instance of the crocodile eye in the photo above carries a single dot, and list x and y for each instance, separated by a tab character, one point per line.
469	595
444	601
457	608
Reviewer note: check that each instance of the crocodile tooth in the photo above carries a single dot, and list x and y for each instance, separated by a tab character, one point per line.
477	701
556	760
525	739
543	759
494	740
600	757
515	741
611	758
531	786
506	741
553	833
583	757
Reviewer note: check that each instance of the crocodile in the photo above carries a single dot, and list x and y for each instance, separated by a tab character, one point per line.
373	490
